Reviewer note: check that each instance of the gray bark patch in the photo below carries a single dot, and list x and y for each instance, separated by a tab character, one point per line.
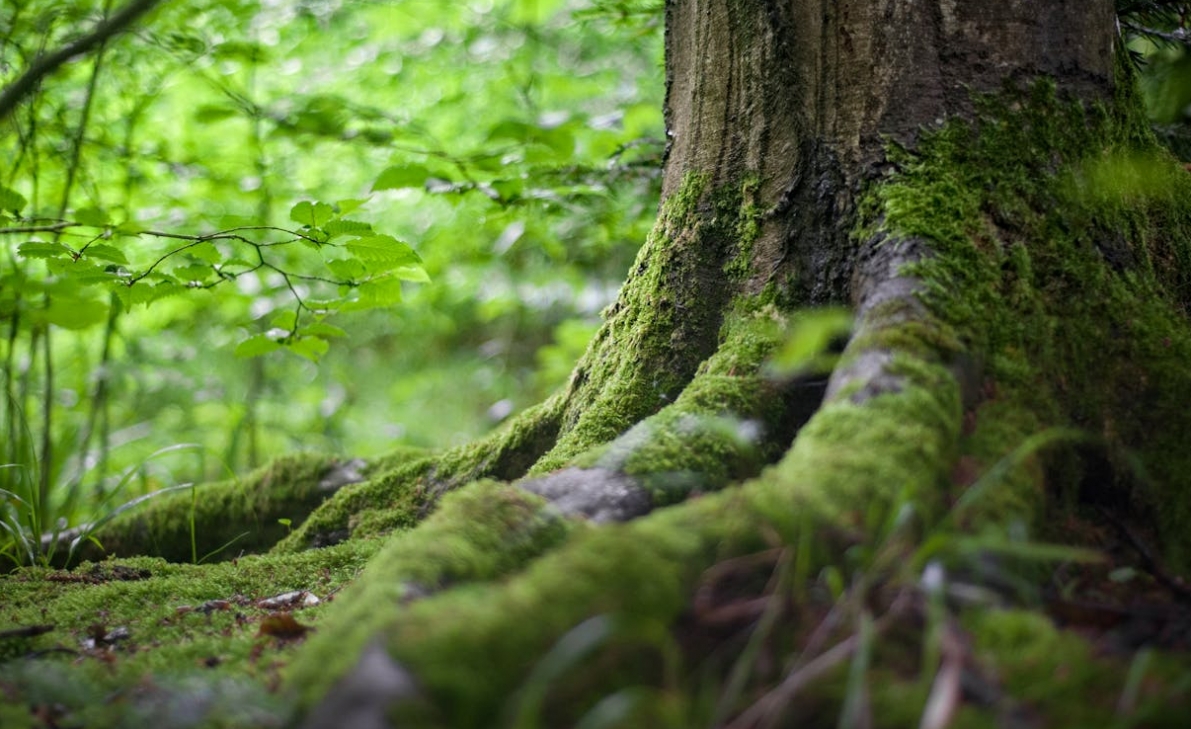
598	494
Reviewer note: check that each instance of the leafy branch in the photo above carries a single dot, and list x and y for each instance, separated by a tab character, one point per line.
366	268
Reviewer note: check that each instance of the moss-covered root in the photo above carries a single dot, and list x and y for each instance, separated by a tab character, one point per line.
478	533
727	424
667	319
401	496
218	520
472	648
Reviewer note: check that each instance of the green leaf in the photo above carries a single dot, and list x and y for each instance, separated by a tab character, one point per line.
206	252
143	293
347	227
417	274
347	269
560	139
284	320
324	305
324	330
11	200
313	214
192	272
80	272
350	205
381	253
376	294
104	252
401	176
92	216
39	249
256	345
312	348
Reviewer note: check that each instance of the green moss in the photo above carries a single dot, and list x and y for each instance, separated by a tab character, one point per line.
1000	426
401	496
473	647
853	461
1061	233
744	206
477	534
667	318
191	652
1055	674
724	426
223	519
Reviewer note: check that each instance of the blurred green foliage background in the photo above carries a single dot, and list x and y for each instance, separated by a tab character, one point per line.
514	144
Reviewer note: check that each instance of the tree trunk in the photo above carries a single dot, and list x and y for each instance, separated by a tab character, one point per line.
975	182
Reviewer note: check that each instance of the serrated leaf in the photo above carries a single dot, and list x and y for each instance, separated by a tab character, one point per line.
40	249
313	214
143	293
192	272
161	276
75	273
104	252
347	227
312	348
400	177
380	253
376	294
256	345
347	269
11	200
206	251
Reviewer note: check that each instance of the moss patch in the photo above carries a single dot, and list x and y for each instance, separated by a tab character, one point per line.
728	422
173	644
219	520
666	320
1061	234
399	497
478	534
